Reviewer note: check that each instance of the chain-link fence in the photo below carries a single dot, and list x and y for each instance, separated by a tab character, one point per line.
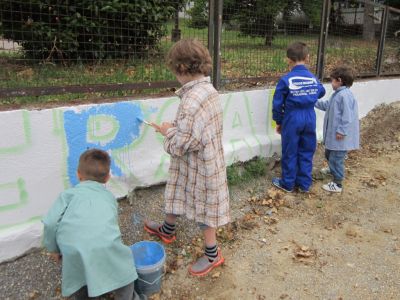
81	49
256	34
391	44
113	49
362	34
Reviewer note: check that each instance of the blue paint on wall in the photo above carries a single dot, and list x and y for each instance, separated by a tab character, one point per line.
75	126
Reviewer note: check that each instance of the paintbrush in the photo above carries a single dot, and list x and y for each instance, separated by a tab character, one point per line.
155	126
144	121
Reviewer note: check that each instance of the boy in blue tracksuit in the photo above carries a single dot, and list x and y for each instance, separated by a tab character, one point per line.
293	111
341	126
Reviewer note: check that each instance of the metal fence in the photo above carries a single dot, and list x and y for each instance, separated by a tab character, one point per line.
75	49
363	34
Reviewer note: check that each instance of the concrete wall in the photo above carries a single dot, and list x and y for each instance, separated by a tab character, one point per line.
39	149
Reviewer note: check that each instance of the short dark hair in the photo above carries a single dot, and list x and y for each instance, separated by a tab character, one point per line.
94	164
345	74
189	56
297	51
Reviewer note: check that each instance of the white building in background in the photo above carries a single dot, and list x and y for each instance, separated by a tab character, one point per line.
183	14
353	14
8	45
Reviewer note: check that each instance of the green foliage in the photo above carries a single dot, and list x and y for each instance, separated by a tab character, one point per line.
254	17
85	29
243	172
312	9
257	17
229	11
199	14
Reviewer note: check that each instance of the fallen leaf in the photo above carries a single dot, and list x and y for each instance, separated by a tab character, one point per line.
304	248
266	202
274	194
352	232
34	295
27	73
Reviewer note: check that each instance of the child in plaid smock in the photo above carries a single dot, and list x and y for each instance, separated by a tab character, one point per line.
197	184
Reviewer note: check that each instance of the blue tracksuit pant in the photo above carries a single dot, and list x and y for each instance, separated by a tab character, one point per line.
298	146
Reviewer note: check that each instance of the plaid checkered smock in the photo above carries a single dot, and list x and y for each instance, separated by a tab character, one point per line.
197	184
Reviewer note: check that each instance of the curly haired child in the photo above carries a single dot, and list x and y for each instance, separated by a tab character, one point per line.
197	184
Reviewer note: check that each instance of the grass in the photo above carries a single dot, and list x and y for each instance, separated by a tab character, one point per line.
242	56
243	172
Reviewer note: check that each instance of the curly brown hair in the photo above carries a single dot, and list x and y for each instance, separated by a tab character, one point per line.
94	164
189	56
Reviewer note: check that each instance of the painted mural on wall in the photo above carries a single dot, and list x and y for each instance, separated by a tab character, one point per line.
106	127
39	150
45	146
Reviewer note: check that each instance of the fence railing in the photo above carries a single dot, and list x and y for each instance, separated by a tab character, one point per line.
79	50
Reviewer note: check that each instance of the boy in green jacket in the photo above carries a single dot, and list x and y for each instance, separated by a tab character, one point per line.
81	229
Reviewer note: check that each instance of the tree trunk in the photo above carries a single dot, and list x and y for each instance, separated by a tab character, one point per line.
368	24
269	32
355	16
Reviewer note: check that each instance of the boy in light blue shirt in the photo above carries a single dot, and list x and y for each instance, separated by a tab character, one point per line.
81	230
341	132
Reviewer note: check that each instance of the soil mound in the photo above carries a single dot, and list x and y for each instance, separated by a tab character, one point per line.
380	128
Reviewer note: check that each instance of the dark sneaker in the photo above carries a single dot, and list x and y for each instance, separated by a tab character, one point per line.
277	183
203	266
154	229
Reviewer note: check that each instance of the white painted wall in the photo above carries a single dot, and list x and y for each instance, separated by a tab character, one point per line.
39	149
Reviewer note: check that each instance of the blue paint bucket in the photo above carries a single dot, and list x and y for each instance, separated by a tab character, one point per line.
149	257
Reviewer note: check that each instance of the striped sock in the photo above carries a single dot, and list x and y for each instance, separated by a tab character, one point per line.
211	253
167	228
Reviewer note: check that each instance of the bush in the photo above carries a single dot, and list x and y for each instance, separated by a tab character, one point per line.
257	17
85	29
199	14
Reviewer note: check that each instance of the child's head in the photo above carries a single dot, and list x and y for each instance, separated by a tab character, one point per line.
189	57
297	52
94	164
342	76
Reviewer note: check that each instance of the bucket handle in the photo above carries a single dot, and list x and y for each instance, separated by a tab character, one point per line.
155	280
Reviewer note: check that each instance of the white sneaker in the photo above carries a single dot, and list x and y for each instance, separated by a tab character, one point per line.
325	171
332	187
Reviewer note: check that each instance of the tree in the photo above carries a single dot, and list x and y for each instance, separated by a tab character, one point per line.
199	14
257	17
368	24
312	9
85	29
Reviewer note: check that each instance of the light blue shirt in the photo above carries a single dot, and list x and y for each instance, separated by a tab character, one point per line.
83	226
341	116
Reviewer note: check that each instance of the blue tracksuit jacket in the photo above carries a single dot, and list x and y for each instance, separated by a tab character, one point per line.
293	108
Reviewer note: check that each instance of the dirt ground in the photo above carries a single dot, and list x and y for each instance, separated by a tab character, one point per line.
279	246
